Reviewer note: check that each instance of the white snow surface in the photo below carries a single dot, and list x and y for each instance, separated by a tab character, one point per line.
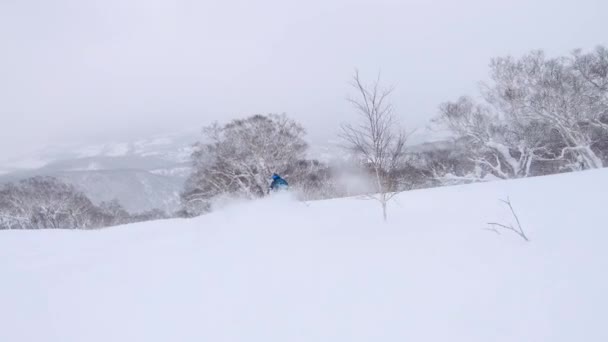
282	270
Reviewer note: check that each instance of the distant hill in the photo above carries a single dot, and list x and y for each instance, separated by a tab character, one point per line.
142	175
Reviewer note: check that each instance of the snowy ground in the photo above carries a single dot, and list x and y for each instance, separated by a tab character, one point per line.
279	270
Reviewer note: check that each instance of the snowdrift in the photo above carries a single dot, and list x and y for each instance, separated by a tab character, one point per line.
282	270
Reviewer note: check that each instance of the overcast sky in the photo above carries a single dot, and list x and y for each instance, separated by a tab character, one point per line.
90	71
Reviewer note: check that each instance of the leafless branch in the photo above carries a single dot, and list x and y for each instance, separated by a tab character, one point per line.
494	226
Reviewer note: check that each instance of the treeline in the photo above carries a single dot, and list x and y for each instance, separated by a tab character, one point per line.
45	202
536	116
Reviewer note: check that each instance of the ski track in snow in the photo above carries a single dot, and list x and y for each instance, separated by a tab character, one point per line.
279	270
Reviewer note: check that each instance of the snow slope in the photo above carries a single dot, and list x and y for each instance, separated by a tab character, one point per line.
281	270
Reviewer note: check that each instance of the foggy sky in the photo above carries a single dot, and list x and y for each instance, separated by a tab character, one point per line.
91	71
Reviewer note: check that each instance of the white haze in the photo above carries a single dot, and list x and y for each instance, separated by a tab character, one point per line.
92	71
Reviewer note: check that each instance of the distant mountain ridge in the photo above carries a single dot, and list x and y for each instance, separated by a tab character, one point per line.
143	175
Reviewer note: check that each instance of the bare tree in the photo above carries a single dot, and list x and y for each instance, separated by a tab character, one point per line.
311	180
377	138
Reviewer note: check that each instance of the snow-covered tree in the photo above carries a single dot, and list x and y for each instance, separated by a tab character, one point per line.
239	157
495	146
553	92
535	110
593	68
45	202
377	138
112	213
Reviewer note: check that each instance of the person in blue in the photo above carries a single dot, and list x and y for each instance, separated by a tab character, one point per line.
278	183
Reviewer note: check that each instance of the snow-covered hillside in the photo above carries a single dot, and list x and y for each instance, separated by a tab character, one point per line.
282	270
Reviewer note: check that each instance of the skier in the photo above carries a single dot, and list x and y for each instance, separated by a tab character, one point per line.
278	183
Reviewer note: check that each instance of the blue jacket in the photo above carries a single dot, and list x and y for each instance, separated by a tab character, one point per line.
278	183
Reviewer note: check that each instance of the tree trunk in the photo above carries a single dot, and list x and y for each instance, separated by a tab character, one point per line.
590	159
384	215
